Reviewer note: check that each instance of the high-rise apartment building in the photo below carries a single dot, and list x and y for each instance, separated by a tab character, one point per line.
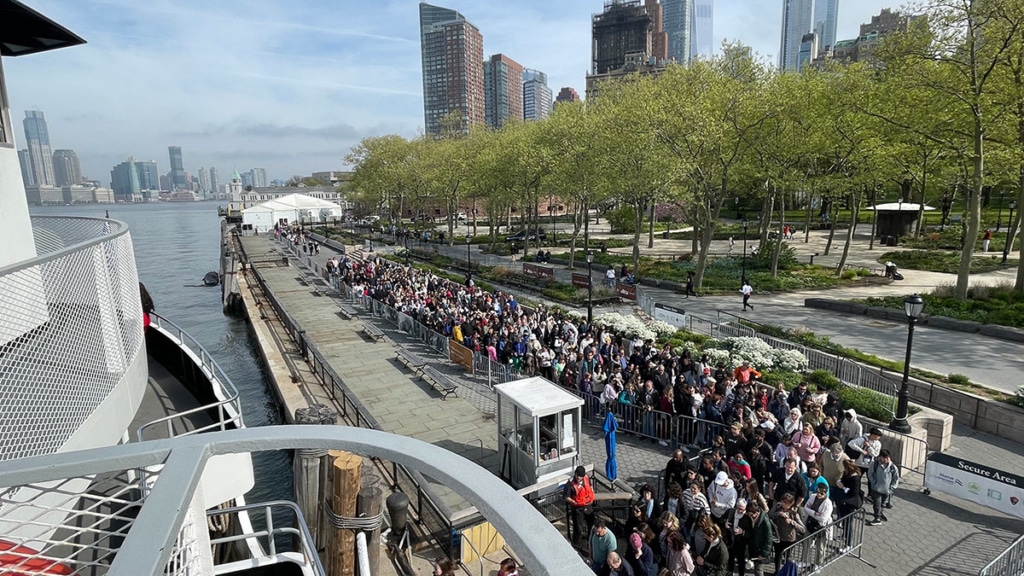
246	178
27	177
259	177
702	29
567	94
676	16
623	29
67	170
826	18
452	55
214	180
503	90
796	21
659	39
536	95
37	140
177	174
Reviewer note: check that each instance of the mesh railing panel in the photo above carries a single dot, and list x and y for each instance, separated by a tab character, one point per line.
185	557
70	325
78	523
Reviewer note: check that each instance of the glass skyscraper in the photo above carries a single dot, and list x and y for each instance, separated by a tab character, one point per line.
702	30
796	21
67	170
178	178
40	156
826	16
676	16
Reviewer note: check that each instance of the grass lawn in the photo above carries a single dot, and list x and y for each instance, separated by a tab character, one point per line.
988	304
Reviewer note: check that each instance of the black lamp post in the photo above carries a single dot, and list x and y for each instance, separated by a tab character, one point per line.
590	288
1009	232
551	212
469	256
913	306
999	214
947	205
406	237
737	201
744	276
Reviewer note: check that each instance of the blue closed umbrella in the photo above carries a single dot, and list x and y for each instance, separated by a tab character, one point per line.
611	467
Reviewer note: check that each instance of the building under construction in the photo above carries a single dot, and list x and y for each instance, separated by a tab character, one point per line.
625	27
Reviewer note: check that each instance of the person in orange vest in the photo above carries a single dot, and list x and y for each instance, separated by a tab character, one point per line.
579	499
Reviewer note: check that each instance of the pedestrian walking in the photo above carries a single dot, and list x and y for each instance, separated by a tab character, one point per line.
746	290
689	286
732	242
986	240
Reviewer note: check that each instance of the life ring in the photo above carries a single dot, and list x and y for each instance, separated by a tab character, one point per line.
15	559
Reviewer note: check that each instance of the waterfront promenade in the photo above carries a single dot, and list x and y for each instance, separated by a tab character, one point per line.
927	535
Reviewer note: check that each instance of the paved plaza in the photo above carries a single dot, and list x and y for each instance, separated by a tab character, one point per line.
926	535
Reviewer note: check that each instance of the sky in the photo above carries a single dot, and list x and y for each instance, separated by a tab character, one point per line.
292	86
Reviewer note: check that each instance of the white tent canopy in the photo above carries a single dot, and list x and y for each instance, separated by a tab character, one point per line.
290	209
899	207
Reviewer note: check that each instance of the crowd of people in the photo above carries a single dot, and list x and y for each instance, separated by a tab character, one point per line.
754	494
776	465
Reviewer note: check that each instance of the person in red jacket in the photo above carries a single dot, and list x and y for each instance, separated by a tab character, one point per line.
738	466
744	372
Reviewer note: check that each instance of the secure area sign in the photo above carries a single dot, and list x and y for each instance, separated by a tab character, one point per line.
978	483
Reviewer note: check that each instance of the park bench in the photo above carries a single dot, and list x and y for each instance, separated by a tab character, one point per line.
410	359
439	382
347	310
373	332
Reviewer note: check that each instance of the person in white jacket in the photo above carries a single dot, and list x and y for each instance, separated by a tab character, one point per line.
818	519
850	428
722	497
866	448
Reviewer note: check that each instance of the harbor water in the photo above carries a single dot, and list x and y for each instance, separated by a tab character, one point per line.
176	244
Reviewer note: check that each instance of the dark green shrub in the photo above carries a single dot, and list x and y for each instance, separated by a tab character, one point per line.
789	380
823	378
958	379
867	402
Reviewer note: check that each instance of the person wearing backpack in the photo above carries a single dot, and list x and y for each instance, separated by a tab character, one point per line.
761	538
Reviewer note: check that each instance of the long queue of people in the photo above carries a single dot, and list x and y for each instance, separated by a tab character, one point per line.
780	465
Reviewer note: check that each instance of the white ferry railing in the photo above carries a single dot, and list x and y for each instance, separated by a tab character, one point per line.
145	525
70	333
228	407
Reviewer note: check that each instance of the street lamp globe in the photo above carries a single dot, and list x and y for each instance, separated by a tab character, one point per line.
913	306
590	256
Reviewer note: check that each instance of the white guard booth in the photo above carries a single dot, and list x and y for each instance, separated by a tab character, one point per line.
538	431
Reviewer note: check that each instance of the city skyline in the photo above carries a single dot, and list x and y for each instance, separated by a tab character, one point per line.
296	94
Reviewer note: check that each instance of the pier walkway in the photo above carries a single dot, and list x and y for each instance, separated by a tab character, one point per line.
927	534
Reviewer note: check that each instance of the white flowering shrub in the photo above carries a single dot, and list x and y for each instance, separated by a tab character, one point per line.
662	329
734	351
789	360
629	326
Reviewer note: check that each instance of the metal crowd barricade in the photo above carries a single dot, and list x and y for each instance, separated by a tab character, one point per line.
813	552
1009	563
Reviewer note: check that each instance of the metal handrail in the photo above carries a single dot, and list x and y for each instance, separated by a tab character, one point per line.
1009	563
302	531
216	375
116	229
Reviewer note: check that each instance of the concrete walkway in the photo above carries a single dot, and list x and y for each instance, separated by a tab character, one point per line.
988	361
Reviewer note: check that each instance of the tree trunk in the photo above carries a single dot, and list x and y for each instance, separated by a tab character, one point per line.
874	218
650	235
807	220
924	188
639	210
778	239
854	217
1015	225
763	223
832	229
709	233
973	226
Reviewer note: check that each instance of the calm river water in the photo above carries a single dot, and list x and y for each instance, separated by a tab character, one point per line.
175	245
